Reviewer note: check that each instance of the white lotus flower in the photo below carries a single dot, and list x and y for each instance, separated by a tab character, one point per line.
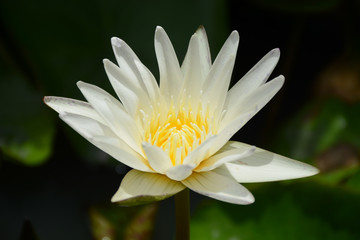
177	135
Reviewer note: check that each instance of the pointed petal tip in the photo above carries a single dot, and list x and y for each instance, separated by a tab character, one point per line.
117	198
159	29
312	171
250	200
275	52
106	61
80	84
280	79
108	64
200	32
160	33
201	28
116	42
306	171
235	36
46	99
113	199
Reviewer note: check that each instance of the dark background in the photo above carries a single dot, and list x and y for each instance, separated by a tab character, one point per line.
55	185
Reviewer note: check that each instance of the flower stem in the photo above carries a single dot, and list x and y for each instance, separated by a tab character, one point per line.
182	212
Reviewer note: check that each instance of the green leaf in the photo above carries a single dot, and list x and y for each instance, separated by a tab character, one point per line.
26	127
354	180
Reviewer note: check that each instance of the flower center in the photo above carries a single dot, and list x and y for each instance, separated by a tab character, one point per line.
178	133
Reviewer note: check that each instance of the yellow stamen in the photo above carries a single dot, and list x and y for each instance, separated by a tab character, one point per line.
179	133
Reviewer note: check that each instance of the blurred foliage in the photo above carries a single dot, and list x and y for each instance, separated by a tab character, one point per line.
282	211
353	181
318	127
26	127
137	222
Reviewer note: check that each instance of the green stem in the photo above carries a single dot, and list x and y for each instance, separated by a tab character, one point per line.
182	212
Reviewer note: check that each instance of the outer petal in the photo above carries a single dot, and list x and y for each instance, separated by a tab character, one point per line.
217	82
254	101
171	77
139	187
264	166
252	79
103	137
149	82
113	113
127	59
228	153
68	105
220	187
229	130
196	65
133	70
131	94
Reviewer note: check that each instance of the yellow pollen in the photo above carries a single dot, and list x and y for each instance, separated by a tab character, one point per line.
178	133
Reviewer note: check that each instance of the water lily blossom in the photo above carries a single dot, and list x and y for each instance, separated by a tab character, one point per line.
175	135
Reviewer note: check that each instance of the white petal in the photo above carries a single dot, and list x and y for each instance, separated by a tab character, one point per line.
123	153
126	60
219	187
201	152
264	166
196	64
113	113
157	158
228	153
139	187
105	139
134	71
180	172
85	126
68	105
254	101
131	94
171	79
229	130
149	82
252	79
217	82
